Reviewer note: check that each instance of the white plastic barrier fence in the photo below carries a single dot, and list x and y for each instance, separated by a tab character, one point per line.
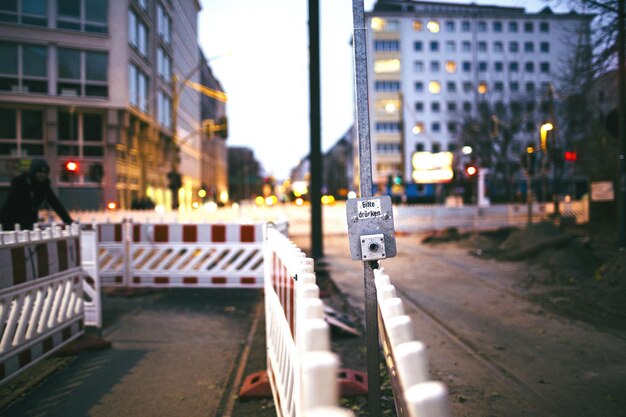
91	276
41	295
181	255
414	394
301	368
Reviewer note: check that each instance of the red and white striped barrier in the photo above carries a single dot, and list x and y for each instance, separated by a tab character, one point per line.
181	255
41	295
301	369
414	394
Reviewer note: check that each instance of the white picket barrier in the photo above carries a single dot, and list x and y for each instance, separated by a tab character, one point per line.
414	394
226	255
41	295
301	368
91	276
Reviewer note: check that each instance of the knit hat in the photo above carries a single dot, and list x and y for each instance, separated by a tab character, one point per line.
39	165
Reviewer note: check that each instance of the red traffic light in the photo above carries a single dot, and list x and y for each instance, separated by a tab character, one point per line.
471	170
570	156
71	166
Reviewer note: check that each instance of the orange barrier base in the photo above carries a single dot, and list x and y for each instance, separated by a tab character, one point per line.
256	385
351	382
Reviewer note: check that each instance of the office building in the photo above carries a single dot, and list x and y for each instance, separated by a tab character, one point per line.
432	65
104	84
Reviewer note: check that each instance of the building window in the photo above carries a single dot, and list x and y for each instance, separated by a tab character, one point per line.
164	110
451	87
529	67
434	66
497	46
164	22
498	86
466	26
482	66
164	64
544	67
450	26
482	26
530	87
467	106
513	27
418	128
528	27
419	106
25	12
451	106
390	106
513	47
382	25
452	127
514	86
387	86
418	46
450	67
497	26
467	86
544	47
419	147
388	127
82	15
466	46
82	73
386	66
419	86
435	107
418	66
498	66
137	33
513	67
529	47
544	27
23	68
386	46
21	132
450	46
418	26
80	134
434	87
388	148
138	88
434	46
435	127
482	87
467	66
433	26
482	46
436	147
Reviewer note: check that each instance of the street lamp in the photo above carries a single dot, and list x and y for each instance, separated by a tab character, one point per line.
543	132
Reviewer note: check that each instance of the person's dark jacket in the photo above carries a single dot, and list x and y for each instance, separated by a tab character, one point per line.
26	196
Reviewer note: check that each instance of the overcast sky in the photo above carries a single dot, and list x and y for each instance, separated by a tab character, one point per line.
259	52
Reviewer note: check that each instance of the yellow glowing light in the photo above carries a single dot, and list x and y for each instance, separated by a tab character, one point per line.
195	205
299	201
482	88
418	128
260	200
386	66
433	26
224	196
378	24
201	193
434	87
271	200
450	67
328	199
112	205
390	107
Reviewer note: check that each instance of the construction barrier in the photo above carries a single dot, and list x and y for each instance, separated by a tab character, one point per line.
41	295
414	394
301	369
180	255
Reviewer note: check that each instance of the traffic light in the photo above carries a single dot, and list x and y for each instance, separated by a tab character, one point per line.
71	167
571	156
527	159
471	170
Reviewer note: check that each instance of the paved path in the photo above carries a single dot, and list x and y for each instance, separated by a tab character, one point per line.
172	355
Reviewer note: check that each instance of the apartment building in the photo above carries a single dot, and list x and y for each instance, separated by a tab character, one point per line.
102	83
432	64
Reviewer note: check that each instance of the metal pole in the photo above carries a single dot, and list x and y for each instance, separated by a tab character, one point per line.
317	249
365	172
621	192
